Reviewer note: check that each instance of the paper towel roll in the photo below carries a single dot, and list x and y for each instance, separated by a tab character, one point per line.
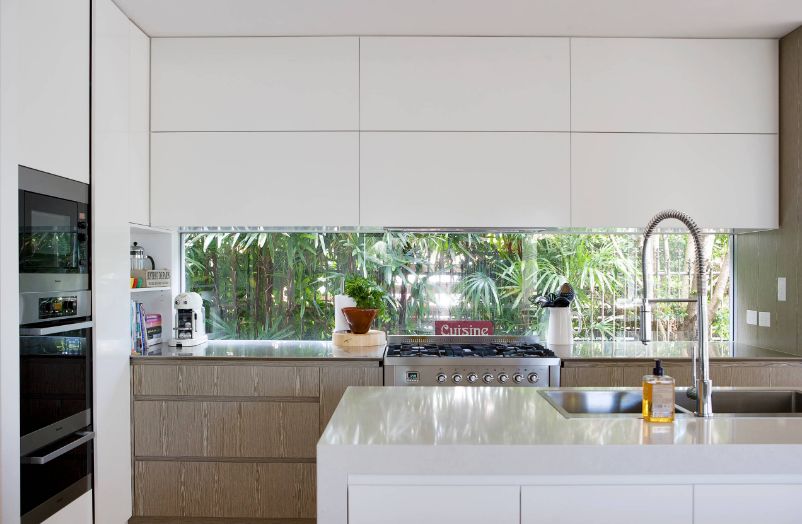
341	301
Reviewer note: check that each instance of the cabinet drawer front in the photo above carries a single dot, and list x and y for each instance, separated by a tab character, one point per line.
225	429
745	503
433	504
226	381
224	489
581	504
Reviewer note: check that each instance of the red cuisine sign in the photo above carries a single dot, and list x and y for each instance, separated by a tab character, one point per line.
463	327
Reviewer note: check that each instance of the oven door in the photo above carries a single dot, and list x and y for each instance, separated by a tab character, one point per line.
55	475
55	383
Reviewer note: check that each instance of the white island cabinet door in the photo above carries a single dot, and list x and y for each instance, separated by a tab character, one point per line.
465	179
464	84
387	504
614	504
748	504
664	85
53	87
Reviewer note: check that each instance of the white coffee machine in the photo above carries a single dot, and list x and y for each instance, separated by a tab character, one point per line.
190	322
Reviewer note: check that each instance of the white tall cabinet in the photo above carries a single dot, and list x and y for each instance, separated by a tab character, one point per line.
119	53
53	109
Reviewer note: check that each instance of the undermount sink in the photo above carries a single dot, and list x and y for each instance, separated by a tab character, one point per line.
732	402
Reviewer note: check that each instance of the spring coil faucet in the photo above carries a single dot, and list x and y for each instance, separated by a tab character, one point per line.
702	387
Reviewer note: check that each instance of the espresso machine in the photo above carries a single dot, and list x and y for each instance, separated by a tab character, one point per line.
190	322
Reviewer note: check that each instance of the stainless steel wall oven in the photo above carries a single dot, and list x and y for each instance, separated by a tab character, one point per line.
56	438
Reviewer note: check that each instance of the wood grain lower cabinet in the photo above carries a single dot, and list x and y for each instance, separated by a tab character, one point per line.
233	442
724	373
226	429
224	489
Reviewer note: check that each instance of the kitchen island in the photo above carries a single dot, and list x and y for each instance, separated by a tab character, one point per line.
506	455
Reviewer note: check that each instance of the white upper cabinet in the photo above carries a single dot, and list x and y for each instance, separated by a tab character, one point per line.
53	88
255	84
465	179
139	126
255	179
464	84
674	85
722	181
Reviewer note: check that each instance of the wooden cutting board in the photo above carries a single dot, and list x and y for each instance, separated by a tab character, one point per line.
347	339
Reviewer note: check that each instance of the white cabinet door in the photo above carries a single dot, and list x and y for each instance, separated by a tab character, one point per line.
622	180
607	504
53	87
255	179
465	179
464	84
674	85
255	84
748	504
139	127
433	504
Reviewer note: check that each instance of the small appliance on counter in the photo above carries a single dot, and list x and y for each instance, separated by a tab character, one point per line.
190	321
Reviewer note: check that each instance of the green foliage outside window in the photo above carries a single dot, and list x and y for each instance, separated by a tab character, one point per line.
275	285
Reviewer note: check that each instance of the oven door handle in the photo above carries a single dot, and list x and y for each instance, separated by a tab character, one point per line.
52	330
83	438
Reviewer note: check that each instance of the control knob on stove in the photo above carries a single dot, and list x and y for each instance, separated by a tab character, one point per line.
487	378
472	377
517	378
503	378
441	378
457	378
533	377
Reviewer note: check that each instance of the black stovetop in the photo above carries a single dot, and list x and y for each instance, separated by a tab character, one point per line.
469	350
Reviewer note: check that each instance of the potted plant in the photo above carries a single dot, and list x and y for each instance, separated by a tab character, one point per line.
369	299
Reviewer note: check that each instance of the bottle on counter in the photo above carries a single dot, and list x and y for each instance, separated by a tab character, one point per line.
658	395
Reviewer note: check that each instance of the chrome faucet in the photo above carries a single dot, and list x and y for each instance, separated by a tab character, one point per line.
702	387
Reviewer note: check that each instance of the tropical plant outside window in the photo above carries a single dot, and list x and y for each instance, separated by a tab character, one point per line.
276	285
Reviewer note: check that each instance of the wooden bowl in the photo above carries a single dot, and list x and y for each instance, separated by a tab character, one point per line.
359	320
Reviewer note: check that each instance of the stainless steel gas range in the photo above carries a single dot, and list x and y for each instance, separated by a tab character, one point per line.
469	361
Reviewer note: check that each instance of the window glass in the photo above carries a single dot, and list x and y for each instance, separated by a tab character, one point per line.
259	285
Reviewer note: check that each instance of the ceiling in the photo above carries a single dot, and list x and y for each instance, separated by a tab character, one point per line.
625	18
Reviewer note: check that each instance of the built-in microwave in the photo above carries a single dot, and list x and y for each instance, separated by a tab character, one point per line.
54	232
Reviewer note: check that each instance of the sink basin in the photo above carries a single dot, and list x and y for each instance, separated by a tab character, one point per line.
755	402
573	403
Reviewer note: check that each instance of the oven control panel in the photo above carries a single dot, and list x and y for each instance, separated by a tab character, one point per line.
58	307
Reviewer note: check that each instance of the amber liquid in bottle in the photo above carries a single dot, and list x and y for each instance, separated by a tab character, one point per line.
658	396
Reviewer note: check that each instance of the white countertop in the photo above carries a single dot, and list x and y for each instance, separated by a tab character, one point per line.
459	416
429	436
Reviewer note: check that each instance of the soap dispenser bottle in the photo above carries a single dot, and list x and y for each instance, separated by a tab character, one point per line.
658	395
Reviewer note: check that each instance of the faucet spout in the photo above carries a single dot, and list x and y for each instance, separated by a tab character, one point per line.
701	390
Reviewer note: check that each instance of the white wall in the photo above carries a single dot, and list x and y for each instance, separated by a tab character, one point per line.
112	52
9	276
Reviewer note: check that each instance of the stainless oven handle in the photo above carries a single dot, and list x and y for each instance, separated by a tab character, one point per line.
85	436
56	329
